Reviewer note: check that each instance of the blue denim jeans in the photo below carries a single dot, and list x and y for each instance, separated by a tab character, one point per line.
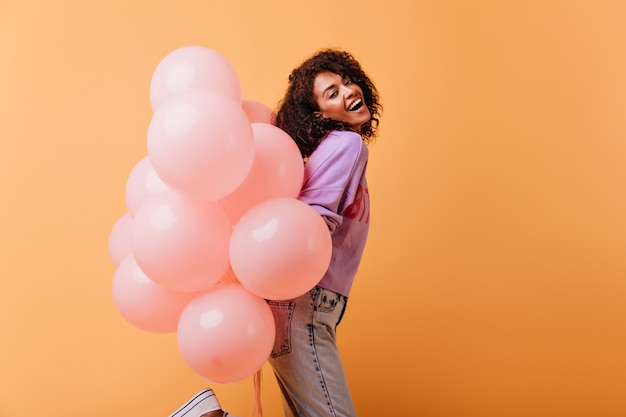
305	357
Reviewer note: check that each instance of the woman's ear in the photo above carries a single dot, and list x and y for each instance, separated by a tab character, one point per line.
318	114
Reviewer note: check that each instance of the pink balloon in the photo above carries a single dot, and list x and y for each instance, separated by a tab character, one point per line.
145	304
226	334
143	182
193	67
277	171
200	143
258	112
280	248
181	244
119	239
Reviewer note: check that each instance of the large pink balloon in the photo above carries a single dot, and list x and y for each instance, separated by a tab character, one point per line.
200	143
280	248
258	112
119	239
193	67
181	244
145	304
143	182
226	334
277	171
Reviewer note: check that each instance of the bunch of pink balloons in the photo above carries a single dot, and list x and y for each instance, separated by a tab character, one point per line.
214	226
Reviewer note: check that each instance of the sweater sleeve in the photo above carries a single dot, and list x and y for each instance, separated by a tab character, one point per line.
332	175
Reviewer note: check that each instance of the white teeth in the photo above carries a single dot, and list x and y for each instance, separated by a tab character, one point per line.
356	103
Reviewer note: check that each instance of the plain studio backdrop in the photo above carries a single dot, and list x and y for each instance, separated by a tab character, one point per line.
494	280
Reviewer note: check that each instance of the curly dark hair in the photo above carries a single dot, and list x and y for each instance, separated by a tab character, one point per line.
297	112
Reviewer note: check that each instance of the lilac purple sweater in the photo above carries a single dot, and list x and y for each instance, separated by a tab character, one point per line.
335	186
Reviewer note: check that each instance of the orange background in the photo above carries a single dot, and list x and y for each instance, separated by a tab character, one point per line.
494	282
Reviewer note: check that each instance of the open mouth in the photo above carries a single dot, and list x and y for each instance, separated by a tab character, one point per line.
358	103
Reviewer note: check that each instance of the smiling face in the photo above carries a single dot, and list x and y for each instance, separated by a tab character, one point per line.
340	99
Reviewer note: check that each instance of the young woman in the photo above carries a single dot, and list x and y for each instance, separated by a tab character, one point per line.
331	110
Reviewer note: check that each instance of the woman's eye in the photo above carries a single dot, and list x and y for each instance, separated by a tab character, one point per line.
333	94
348	82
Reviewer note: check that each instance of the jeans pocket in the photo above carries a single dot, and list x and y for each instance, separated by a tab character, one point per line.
283	312
326	301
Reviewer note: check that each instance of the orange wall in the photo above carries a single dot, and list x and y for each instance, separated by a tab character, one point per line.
494	283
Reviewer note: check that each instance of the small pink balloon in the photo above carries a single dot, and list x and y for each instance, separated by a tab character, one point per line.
280	249
200	143
143	182
181	244
258	112
119	239
192	67
145	304
226	334
277	171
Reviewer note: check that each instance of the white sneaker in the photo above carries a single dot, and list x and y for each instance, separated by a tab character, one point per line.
203	402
